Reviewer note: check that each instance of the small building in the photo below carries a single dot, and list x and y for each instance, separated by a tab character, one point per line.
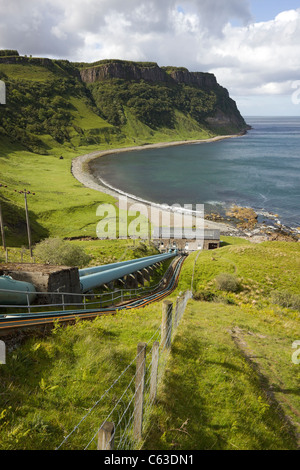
165	239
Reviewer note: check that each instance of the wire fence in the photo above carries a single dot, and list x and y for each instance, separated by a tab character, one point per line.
124	416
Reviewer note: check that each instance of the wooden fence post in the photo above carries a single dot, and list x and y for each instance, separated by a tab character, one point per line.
176	319
139	390
166	324
106	436
154	369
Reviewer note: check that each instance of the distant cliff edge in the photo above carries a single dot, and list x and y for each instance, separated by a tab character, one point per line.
225	112
110	102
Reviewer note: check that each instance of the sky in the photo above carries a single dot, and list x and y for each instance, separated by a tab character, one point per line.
252	46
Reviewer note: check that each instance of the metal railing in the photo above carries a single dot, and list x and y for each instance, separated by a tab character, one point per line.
87	302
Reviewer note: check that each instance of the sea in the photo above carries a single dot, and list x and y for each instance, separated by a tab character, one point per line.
259	170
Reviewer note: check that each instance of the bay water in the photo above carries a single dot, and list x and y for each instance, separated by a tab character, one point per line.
260	170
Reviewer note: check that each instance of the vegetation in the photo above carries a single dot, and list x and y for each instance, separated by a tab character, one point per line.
51	116
8	52
152	104
230	382
230	365
58	252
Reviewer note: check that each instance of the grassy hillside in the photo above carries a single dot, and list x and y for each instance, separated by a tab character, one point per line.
229	384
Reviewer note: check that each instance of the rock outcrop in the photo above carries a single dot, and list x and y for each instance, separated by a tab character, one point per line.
123	70
148	72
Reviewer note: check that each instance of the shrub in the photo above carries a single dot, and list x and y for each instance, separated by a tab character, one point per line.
204	295
286	299
227	282
58	252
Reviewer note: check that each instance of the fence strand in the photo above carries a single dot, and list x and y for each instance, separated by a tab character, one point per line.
122	413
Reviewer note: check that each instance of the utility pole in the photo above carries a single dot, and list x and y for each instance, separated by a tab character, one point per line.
2	223
28	226
2	229
27	220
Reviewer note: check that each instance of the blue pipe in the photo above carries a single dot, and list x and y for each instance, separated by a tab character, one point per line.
97	279
19	291
105	267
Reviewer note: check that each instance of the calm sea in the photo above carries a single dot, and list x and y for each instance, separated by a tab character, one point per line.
259	170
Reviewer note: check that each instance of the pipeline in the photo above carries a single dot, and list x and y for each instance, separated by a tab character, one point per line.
16	295
105	267
49	317
91	281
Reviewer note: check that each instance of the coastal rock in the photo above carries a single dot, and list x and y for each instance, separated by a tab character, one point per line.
199	79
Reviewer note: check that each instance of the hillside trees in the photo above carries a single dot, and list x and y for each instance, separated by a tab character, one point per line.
153	104
39	108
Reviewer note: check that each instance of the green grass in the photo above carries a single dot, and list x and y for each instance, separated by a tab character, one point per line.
27	72
230	382
50	383
261	268
62	205
213	398
85	118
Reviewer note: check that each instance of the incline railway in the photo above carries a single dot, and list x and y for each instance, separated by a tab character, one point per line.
11	322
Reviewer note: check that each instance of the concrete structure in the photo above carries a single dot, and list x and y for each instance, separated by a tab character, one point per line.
47	278
164	239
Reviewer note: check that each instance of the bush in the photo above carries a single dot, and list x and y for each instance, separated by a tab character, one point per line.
286	299
58	252
204	295
227	282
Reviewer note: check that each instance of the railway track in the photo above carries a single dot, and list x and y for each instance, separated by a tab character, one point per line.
37	319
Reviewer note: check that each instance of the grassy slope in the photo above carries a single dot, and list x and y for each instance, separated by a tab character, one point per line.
228	382
212	398
234	362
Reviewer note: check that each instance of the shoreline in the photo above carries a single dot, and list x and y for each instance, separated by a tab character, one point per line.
81	171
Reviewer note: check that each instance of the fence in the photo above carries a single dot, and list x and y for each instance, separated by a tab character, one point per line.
123	425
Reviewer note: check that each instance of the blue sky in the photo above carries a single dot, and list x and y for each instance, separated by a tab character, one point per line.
252	46
264	10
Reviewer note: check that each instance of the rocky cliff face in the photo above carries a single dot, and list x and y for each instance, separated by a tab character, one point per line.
123	70
199	79
151	73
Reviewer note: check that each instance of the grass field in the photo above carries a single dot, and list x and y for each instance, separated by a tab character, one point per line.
229	383
217	395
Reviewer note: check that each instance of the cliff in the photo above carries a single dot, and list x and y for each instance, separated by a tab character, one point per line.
150	72
110	102
196	93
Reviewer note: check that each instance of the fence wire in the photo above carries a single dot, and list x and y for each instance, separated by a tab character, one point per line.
120	408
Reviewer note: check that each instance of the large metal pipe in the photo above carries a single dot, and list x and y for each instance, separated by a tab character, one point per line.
105	267
20	293
97	279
